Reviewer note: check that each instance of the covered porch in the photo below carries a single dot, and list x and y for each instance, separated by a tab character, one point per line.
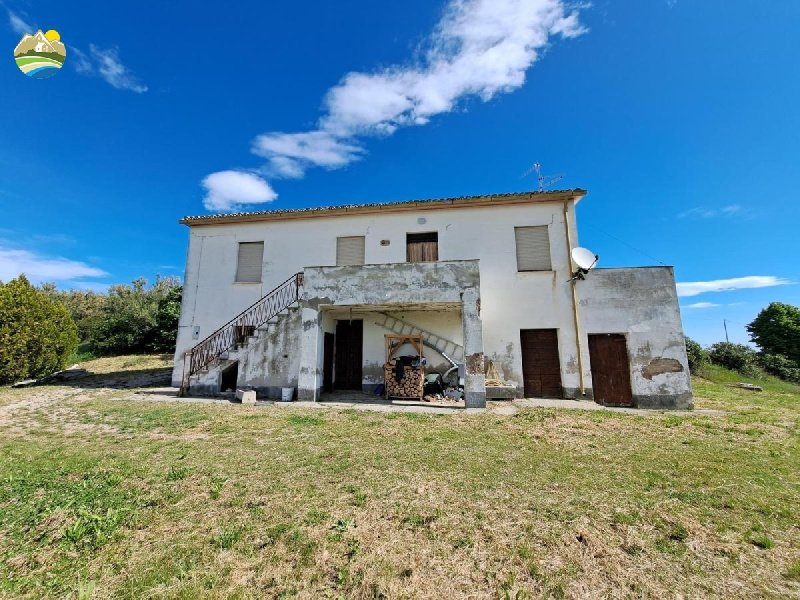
348	311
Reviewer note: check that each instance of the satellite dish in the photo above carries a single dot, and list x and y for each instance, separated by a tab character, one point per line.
585	260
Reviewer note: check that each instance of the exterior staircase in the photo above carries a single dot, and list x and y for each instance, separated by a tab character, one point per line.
240	331
454	353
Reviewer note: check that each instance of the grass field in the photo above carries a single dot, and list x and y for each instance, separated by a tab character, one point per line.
106	496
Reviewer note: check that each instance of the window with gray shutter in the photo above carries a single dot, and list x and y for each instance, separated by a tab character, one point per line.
350	250
533	248
251	257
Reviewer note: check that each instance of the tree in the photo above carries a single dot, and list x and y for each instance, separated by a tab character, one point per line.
776	330
37	334
167	316
85	307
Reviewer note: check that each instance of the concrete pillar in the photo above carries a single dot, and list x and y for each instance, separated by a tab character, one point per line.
474	378
308	380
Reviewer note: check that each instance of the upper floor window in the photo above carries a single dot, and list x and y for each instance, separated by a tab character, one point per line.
251	257
350	250
422	247
533	248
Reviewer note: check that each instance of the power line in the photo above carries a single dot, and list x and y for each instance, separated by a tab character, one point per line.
632	247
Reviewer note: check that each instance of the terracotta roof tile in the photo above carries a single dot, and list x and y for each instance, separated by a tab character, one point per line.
459	201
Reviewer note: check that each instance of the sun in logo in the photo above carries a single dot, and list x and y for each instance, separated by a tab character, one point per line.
40	55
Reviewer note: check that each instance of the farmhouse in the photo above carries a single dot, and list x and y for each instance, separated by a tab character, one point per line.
363	296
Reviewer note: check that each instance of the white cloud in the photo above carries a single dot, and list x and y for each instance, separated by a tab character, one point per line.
702	212
694	288
80	61
701	305
38	268
107	65
479	48
18	24
227	190
289	154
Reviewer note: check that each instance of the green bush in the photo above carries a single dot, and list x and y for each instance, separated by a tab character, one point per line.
37	334
780	366
697	355
138	319
737	357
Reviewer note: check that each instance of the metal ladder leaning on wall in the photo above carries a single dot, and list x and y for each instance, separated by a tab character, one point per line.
450	350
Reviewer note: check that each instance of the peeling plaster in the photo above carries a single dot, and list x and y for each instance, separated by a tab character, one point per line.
474	364
660	366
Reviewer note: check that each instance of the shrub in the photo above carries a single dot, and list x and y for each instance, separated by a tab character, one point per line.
37	334
697	355
137	319
737	357
780	366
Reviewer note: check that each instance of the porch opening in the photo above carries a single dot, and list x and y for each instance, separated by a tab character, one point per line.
229	377
359	365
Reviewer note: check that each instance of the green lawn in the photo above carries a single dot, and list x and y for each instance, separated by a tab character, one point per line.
104	496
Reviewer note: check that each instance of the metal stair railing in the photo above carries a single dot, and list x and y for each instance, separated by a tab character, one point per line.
235	331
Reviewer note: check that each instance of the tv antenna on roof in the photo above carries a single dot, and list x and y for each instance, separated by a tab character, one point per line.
585	260
545	181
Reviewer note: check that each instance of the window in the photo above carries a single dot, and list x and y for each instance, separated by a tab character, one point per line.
422	247
533	248
350	250
251	256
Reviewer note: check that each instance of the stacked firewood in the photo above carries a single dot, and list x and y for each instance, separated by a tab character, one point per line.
410	386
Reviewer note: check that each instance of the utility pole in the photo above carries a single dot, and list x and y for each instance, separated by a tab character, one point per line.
725	325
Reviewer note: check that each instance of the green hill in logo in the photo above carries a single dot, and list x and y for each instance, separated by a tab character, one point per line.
40	55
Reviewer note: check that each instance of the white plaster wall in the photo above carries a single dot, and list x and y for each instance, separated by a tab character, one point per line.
642	304
510	300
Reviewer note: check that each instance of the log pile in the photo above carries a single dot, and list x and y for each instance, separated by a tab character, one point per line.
410	386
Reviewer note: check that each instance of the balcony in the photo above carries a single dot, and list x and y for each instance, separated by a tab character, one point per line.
392	284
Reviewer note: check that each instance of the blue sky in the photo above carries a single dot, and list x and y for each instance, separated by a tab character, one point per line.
681	118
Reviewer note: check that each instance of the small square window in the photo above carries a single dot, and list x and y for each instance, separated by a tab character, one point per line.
350	250
422	247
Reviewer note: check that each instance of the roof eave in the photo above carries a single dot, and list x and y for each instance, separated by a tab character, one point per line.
411	205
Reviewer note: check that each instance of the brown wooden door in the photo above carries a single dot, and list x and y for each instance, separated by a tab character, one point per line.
327	362
611	373
541	368
349	346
